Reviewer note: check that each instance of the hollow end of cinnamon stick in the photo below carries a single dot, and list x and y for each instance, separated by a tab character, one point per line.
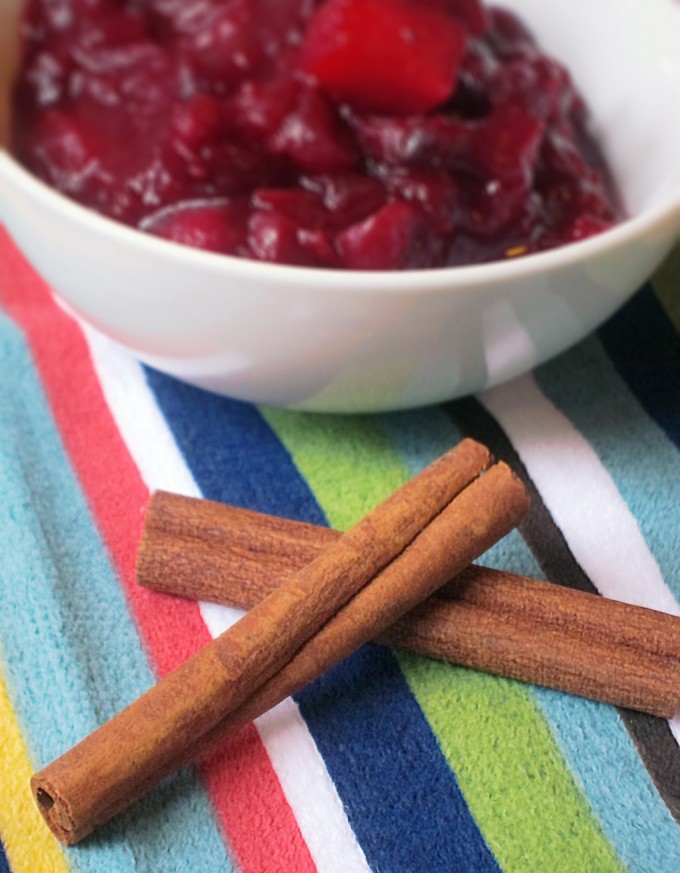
55	811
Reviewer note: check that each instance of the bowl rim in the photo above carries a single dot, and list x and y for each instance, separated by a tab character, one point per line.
342	280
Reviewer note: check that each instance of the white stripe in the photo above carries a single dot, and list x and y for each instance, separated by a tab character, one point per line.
674	724
581	496
303	776
138	418
295	758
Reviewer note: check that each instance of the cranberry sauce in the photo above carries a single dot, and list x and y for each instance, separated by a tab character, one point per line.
361	134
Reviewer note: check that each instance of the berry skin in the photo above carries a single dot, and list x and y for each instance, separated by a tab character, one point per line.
383	241
472	14
275	237
214	226
385	56
313	136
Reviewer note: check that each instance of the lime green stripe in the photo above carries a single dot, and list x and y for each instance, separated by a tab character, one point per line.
348	463
513	775
510	770
666	284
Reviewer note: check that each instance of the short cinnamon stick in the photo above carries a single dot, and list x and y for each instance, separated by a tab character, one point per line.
492	621
145	742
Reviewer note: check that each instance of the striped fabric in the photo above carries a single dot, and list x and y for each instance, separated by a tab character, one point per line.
390	762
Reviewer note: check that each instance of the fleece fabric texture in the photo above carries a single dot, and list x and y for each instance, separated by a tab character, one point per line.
390	762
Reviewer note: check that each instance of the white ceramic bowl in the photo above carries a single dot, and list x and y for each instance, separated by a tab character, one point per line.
362	341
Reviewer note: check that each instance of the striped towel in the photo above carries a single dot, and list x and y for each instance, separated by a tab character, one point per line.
390	762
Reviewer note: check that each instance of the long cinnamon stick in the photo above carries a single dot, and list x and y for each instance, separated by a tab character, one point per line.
492	621
145	742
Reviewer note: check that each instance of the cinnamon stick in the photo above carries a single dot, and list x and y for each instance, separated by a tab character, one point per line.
492	621
438	553
145	742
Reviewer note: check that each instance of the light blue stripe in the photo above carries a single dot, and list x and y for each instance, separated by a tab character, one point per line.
595	743
422	436
70	652
620	791
643	463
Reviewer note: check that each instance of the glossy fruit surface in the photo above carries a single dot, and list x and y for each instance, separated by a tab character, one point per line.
359	134
387	56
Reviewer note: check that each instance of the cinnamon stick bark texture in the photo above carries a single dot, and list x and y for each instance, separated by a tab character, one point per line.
483	513
148	740
492	621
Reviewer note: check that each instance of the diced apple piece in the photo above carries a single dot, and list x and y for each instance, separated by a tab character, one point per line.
386	56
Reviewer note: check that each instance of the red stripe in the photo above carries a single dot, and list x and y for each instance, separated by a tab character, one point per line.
260	826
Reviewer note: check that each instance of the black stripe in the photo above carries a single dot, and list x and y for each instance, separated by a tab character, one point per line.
542	535
652	736
658	749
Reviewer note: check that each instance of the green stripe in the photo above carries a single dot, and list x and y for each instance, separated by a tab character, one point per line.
510	770
512	773
348	463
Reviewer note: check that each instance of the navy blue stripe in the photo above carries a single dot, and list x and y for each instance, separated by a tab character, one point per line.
4	863
365	722
643	345
231	451
400	796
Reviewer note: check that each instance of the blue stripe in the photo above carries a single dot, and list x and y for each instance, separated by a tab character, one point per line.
233	454
346	709
378	748
4	864
595	743
71	653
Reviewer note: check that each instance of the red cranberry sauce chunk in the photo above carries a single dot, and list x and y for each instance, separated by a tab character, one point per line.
358	134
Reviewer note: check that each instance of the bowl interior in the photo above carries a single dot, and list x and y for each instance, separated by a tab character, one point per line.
623	55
